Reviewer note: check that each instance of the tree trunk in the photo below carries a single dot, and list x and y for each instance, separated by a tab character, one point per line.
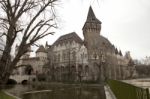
5	65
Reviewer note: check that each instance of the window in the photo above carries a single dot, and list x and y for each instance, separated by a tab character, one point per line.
86	69
80	68
95	56
64	56
58	58
74	55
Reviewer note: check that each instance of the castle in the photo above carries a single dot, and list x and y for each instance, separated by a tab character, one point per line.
71	58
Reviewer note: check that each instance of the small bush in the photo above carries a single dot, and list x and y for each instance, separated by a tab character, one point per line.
41	77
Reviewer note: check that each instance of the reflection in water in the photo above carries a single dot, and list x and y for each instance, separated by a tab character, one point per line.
70	92
58	91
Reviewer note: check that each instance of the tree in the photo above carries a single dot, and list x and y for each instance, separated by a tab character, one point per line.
102	59
71	61
27	20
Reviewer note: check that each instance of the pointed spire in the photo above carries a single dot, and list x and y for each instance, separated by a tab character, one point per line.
92	23
46	44
91	16
116	51
120	53
90	13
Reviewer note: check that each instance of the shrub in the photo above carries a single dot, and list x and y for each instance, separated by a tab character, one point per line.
41	77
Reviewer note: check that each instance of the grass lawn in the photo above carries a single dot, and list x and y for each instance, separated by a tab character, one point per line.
5	96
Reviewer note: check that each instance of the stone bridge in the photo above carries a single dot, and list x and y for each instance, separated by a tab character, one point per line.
21	78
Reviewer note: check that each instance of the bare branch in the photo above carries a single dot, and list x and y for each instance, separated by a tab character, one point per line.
35	17
39	37
11	25
20	12
4	26
38	24
16	5
41	26
20	66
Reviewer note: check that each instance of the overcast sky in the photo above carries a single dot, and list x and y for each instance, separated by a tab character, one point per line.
126	23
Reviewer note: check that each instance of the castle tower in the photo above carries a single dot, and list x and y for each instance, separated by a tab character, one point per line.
41	52
91	28
46	45
92	40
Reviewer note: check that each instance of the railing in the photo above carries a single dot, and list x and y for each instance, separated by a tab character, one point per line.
127	91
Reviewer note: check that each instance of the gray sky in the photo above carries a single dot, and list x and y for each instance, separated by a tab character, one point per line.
126	23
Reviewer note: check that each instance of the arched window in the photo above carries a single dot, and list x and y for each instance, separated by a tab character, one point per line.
58	58
73	68
74	55
28	70
95	56
63	56
80	68
54	57
62	68
57	69
86	69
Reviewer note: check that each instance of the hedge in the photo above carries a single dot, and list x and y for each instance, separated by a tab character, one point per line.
124	90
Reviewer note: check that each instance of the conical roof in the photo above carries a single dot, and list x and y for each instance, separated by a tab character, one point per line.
91	13
41	49
120	53
46	43
91	16
116	51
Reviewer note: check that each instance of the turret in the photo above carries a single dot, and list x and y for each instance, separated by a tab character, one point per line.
116	51
91	28
127	55
41	52
92	24
46	45
120	53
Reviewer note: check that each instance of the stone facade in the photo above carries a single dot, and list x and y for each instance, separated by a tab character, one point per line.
70	58
32	65
67	56
94	59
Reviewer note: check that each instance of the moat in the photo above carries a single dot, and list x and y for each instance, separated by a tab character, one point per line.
58	91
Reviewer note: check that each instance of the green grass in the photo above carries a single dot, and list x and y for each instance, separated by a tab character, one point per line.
124	90
5	96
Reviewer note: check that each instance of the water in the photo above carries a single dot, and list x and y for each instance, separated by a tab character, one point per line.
144	83
54	91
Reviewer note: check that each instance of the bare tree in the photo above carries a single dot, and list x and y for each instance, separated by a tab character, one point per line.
27	20
71	60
